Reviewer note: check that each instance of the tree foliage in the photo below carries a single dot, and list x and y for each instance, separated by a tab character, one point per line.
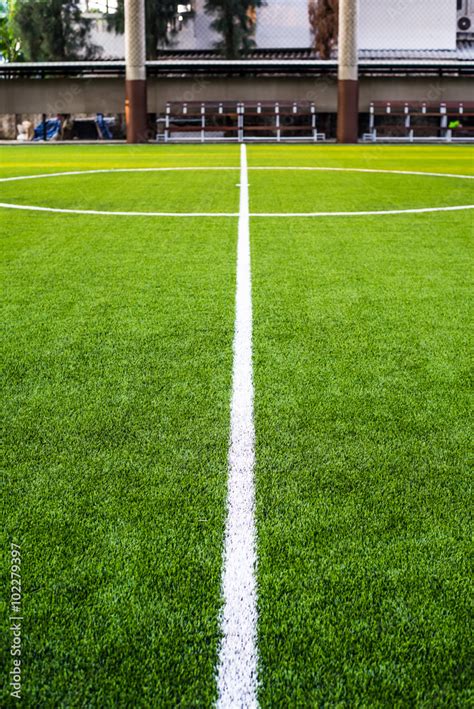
10	45
324	22
234	21
52	30
160	20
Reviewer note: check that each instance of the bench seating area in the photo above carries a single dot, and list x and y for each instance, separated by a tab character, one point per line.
238	121
421	120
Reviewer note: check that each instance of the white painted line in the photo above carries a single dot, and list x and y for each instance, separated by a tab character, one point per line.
117	214
112	170
424	210
277	215
237	669
206	168
357	169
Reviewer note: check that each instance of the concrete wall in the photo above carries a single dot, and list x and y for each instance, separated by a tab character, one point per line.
89	96
62	96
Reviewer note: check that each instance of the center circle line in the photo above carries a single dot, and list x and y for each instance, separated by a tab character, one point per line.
278	215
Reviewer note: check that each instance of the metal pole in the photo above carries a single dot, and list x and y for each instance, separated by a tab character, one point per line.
348	84
135	79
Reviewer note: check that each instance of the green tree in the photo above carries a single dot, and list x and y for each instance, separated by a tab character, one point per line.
53	30
161	17
324	21
10	45
234	21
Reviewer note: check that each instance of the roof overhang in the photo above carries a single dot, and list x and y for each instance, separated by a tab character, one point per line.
250	67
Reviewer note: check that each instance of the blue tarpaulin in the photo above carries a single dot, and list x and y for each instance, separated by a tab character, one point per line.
104	131
53	128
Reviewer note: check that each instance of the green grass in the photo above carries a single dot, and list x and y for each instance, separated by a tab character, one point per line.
117	377
362	410
118	356
275	191
135	191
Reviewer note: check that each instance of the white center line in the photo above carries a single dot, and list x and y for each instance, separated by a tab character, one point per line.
237	669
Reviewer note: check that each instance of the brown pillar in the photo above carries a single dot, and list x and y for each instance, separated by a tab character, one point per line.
347	111
135	82
348	74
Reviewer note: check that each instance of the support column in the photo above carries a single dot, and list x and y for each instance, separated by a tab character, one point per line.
135	80
348	83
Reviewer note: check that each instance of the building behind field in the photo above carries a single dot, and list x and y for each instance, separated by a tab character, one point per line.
410	51
395	25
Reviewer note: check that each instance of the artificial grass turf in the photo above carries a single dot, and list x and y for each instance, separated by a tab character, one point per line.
288	191
193	191
38	159
117	380
456	159
118	357
361	361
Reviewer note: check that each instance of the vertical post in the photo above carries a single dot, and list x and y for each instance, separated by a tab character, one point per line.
348	83
372	131
444	120
135	79
167	122
240	122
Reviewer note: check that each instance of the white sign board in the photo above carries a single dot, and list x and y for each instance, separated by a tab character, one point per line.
407	24
384	24
283	24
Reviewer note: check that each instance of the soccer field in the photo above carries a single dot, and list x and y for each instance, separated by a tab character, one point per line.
119	309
